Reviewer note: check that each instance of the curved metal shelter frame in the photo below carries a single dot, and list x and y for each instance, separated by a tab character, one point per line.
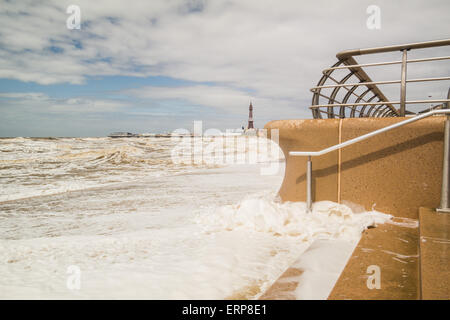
370	101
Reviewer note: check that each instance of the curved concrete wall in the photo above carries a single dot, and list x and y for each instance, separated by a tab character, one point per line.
397	171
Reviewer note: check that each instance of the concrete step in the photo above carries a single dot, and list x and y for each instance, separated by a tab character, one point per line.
313	275
393	250
413	257
434	254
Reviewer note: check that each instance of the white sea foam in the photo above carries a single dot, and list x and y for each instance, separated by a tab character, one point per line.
328	220
140	240
322	264
152	230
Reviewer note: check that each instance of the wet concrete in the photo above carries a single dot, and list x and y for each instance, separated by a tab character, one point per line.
396	172
434	254
285	286
391	249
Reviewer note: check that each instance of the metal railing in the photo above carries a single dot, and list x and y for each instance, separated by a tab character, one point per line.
445	200
378	105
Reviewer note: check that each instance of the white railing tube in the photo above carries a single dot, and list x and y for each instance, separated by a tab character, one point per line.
445	194
309	184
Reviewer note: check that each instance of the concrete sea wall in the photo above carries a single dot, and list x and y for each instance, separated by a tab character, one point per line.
396	172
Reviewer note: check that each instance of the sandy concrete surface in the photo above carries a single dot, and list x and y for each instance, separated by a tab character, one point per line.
435	254
396	172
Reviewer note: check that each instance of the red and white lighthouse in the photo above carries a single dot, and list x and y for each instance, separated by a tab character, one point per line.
250	116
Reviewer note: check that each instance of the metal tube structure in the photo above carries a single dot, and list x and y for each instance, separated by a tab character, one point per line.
313	89
368	135
403	84
375	103
418	45
445	194
383	63
346	61
309	185
445	201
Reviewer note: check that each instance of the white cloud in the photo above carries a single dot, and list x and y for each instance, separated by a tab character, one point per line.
271	51
38	102
224	98
24	95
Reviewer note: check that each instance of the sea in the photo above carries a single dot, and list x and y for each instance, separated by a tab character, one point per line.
157	218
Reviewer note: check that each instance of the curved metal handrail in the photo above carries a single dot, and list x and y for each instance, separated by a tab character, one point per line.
399	47
385	107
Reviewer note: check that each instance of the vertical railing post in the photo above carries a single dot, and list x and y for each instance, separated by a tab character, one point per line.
445	195
309	185
403	85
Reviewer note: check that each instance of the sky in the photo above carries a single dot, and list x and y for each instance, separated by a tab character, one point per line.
158	65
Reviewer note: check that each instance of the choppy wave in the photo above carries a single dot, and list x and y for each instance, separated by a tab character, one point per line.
210	234
42	166
140	240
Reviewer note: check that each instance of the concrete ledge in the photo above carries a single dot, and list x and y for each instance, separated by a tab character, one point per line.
397	171
313	275
434	254
308	135
285	286
394	249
